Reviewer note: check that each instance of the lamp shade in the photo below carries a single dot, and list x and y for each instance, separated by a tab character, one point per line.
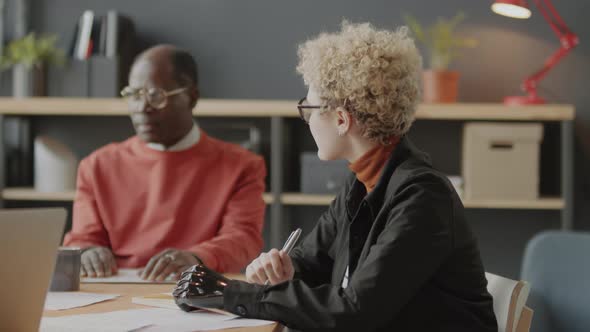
512	8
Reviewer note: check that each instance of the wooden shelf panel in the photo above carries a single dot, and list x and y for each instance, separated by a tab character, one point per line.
268	198
492	111
281	108
544	203
118	107
539	204
30	194
306	199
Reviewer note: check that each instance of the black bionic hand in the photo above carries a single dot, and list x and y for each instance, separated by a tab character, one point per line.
200	287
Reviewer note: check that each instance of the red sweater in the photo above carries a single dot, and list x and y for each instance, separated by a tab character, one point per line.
139	201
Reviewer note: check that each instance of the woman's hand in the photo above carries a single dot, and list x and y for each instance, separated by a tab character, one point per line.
274	266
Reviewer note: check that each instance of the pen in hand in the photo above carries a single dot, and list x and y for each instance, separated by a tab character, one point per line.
290	243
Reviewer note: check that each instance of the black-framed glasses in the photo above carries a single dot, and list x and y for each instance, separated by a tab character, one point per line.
157	98
305	109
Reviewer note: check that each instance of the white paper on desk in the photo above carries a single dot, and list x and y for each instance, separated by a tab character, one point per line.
125	276
115	321
146	320
180	321
69	300
203	326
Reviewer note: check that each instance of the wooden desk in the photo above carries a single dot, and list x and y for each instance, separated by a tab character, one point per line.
127	291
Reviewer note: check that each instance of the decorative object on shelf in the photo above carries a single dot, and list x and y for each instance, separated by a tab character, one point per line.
501	160
245	134
567	39
322	177
29	56
440	85
55	166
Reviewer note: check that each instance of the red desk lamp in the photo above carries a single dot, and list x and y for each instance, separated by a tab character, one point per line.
519	9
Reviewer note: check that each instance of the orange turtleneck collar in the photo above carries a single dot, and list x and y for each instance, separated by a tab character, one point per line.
368	167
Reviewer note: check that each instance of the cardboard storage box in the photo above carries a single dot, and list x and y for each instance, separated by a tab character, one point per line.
501	160
322	177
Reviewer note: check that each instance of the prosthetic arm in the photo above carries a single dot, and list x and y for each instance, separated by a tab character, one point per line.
200	287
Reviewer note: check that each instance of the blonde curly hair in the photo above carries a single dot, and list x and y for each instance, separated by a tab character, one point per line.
372	74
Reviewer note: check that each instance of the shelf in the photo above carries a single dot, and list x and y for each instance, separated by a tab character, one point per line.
30	194
268	199
306	199
538	204
118	107
544	203
497	112
280	108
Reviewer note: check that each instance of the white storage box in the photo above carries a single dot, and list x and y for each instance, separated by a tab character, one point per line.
501	160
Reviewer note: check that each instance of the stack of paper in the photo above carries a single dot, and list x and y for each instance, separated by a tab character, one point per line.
147	320
126	276
69	300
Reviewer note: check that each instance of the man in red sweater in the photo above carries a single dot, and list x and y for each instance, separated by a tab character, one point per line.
170	196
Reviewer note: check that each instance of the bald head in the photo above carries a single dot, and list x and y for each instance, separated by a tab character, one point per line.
164	70
173	61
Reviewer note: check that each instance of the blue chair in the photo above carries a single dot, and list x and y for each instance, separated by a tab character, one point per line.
557	266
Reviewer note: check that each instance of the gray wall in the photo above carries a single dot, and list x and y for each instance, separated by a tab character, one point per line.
247	49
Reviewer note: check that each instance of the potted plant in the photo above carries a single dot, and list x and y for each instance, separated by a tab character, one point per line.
440	85
29	56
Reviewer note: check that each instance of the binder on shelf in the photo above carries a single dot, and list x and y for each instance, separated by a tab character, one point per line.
112	37
101	70
94	77
102	38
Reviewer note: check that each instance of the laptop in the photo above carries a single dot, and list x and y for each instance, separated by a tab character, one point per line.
29	240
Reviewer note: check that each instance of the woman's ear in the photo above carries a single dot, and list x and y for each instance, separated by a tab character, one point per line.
343	121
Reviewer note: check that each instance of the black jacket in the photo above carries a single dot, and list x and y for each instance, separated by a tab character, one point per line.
414	264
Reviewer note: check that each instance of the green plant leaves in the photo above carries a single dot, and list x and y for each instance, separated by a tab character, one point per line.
32	51
440	39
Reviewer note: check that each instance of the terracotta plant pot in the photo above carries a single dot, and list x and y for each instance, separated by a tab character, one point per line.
440	86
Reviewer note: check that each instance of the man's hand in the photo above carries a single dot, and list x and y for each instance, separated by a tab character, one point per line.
274	266
168	262
97	262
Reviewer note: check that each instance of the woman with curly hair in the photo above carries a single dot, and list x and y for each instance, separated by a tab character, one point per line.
393	252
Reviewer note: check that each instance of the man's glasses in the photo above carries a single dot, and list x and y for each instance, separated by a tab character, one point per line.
155	97
305	109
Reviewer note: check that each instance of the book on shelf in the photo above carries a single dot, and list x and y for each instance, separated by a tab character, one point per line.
109	35
83	42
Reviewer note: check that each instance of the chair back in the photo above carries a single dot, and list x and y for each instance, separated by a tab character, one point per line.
557	264
510	297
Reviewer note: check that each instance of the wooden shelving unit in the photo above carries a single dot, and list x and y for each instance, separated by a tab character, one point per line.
306	199
543	203
279	108
30	194
277	111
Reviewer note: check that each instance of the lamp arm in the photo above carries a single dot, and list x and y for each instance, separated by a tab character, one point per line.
552	17
567	38
530	83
